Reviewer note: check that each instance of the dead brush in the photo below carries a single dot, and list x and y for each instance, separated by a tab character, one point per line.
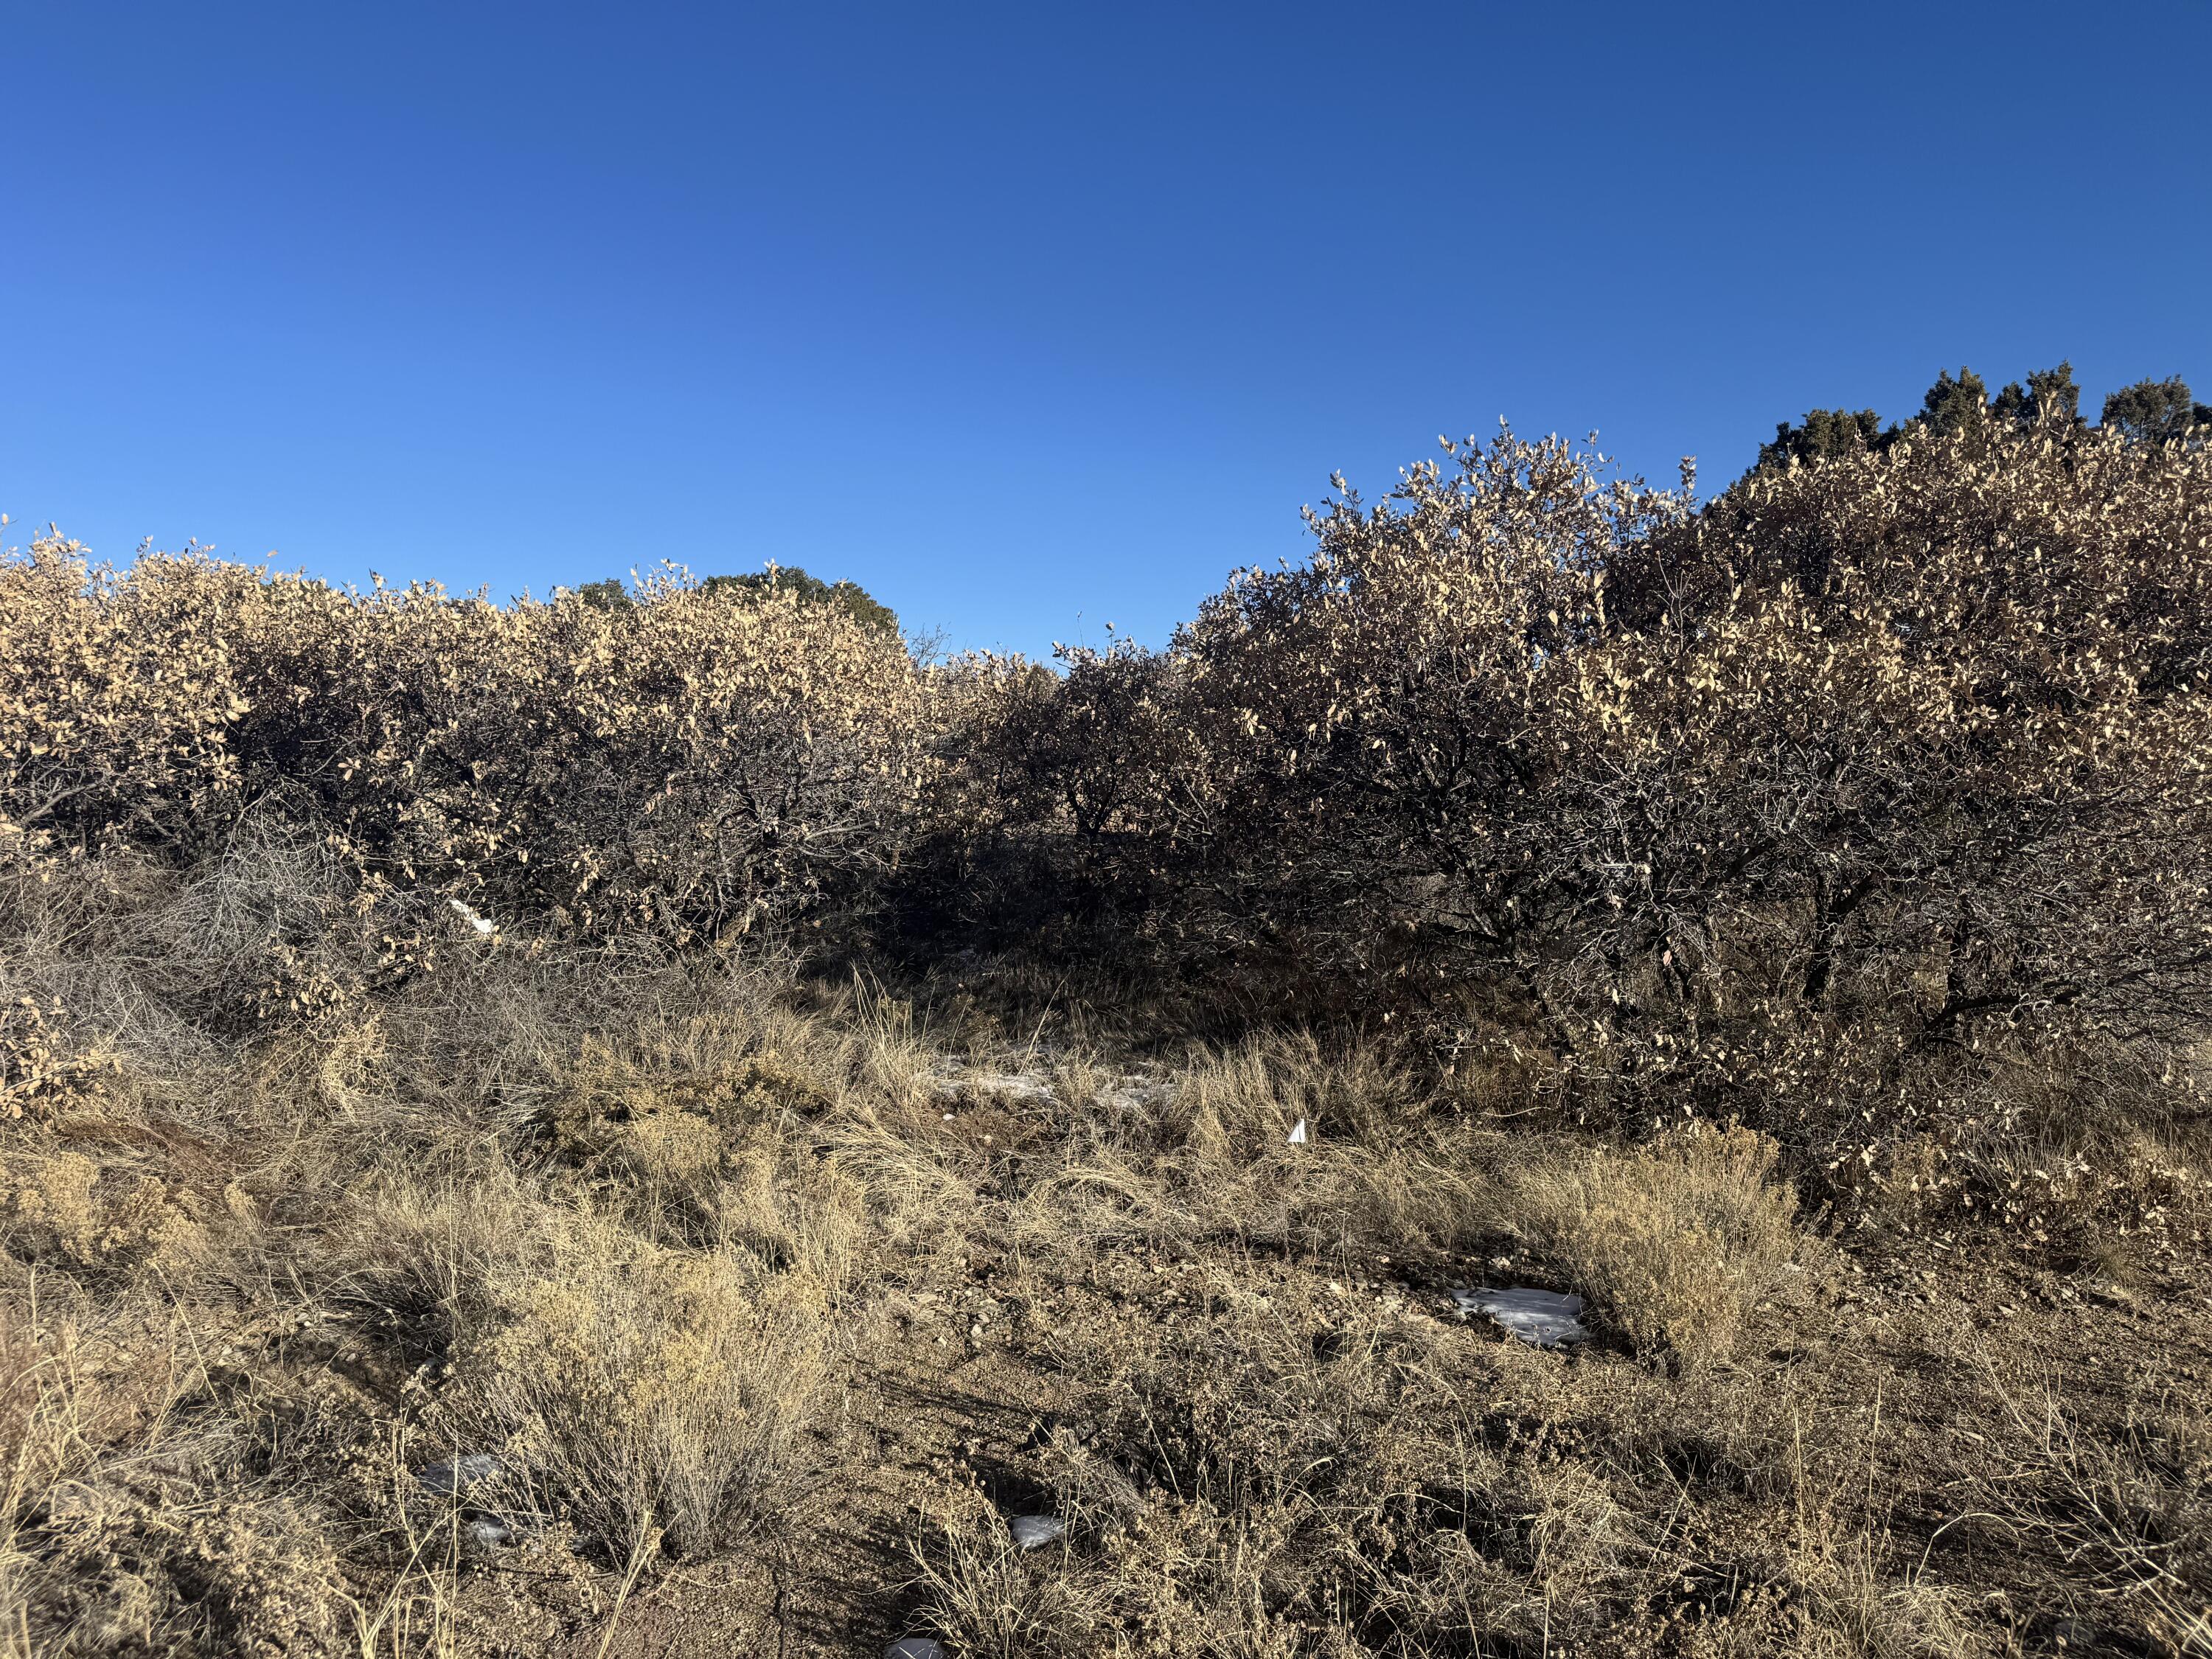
1202	1157
991	1599
1509	1553
917	1201
131	1519
1855	1605
1843	1586
421	1254
1247	1097
2129	1513
887	1053
634	1389
1287	1470
1675	1243
65	1210
1197	1581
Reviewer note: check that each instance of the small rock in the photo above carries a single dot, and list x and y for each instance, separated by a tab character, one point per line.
1034	1532
459	1475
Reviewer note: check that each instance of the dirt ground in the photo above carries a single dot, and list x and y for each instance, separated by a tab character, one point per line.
1945	1364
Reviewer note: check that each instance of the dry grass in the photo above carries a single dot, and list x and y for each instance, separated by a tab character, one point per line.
990	1598
135	1519
641	1393
2128	1509
1676	1244
653	1235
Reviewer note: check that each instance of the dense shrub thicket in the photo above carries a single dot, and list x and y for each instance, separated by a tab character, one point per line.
1840	800
1871	793
694	762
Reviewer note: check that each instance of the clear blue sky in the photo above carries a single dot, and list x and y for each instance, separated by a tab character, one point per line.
1027	317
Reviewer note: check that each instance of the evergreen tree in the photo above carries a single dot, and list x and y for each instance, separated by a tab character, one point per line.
2051	395
607	595
1951	402
2150	412
849	597
1825	433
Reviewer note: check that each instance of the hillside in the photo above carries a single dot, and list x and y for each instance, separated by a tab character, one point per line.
669	1123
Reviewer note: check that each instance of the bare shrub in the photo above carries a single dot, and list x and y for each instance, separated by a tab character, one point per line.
116	1531
699	764
993	1599
64	1209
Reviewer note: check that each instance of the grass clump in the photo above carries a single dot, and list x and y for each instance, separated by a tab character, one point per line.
993	1600
1675	1243
641	1393
134	1520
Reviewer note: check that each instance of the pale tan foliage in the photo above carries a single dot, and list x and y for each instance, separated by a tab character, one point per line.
115	1535
64	1209
699	764
996	1600
1863	787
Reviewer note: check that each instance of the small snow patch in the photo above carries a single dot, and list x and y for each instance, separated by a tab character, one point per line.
1543	1317
1298	1135
459	1475
1012	1089
916	1647
1034	1532
1136	1094
481	924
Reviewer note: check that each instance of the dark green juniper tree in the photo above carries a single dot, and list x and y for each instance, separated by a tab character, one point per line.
849	597
1824	433
2051	395
2149	412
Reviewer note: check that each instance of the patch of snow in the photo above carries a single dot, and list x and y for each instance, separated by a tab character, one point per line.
1298	1135
916	1647
954	1082
1033	1532
1136	1093
1543	1317
459	1475
480	923
1016	1087
492	1531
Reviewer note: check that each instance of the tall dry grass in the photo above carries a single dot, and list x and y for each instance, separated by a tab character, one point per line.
1675	1243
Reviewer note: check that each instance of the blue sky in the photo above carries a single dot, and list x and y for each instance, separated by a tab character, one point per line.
1032	318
